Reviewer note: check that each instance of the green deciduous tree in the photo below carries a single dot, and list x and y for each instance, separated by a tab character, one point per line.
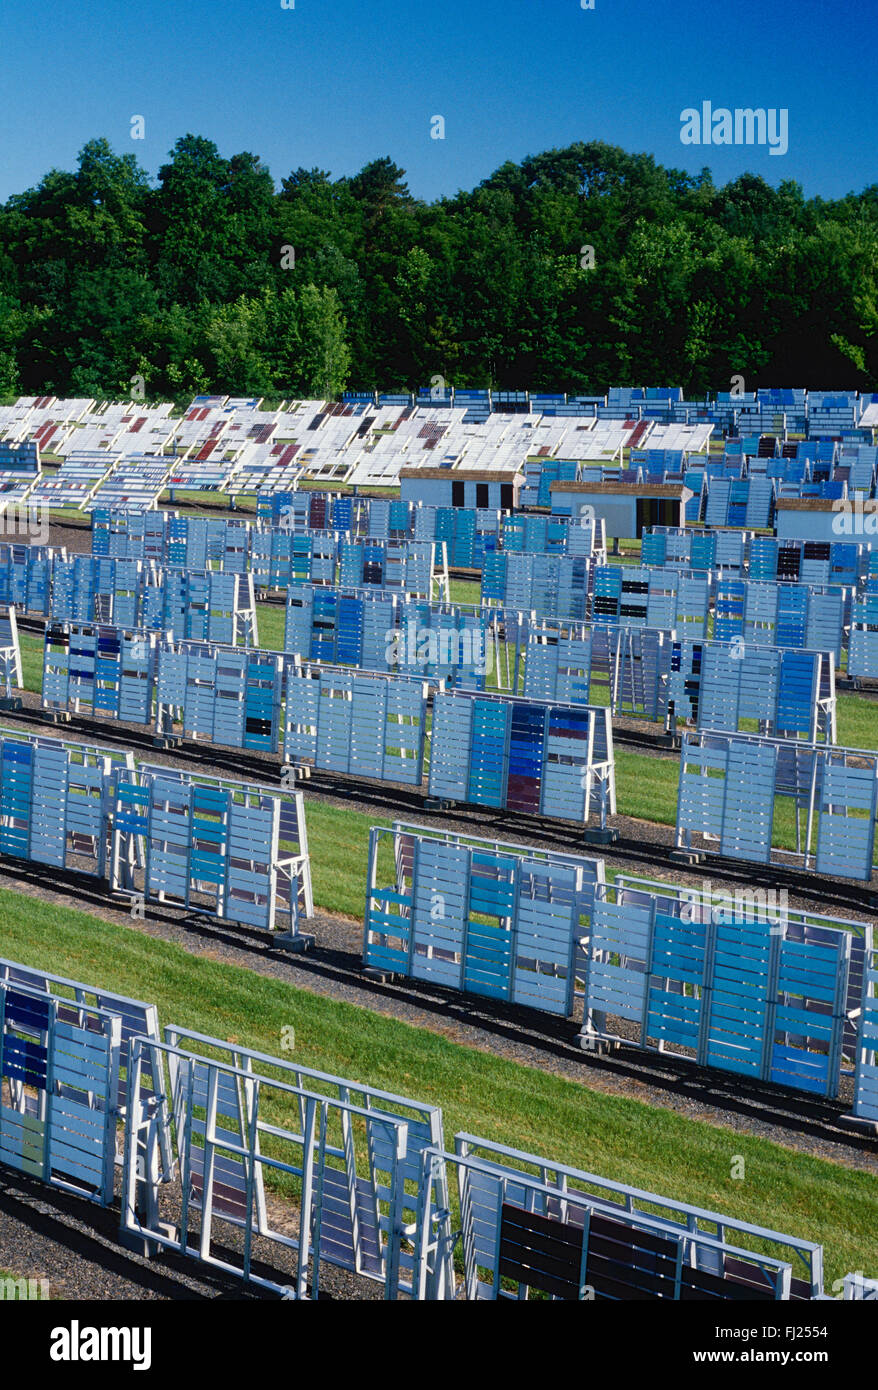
213	278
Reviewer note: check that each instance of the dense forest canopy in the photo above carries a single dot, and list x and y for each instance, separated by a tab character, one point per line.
210	278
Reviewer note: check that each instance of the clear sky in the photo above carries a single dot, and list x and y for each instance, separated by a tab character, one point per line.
337	83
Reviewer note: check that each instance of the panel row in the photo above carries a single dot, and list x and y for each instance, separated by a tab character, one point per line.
219	847
203	1121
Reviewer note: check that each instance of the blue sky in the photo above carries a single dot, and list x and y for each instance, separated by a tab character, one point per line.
336	83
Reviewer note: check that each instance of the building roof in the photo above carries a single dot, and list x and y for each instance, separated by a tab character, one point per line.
676	490
811	504
463	475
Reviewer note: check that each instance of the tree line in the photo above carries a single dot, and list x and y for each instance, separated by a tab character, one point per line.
573	270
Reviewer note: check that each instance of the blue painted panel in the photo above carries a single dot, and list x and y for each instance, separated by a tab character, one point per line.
738	1026
728	620
703	552
487	772
795	699
792	609
526	754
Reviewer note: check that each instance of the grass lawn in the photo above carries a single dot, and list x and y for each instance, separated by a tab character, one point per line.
464	590
857	720
483	1093
270	618
193	503
31	660
338	840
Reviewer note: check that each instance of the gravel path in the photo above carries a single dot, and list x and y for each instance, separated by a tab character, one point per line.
48	1234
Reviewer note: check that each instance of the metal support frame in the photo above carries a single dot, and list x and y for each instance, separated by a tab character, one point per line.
226	1158
584	1246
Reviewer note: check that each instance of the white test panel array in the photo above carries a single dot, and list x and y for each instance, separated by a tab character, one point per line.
530	756
362	723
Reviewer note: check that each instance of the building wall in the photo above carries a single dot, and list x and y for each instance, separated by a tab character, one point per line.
439	492
808	526
618	512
